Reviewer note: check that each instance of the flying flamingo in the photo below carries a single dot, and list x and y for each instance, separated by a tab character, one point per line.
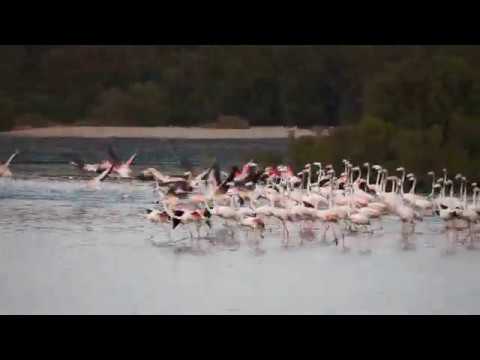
187	217
94	183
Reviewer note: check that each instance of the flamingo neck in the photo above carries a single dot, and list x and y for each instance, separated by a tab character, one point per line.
319	174
330	197
433	184
444	184
378	178
10	159
384	181
402	181
309	179
412	189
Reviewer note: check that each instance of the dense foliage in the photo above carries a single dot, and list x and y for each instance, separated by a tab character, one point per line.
414	86
420	111
416	104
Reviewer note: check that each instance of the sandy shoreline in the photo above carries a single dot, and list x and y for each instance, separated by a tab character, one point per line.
274	132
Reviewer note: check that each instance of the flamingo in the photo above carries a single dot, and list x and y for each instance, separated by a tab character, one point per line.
97	168
95	182
247	198
449	216
228	213
468	214
417	201
354	217
122	169
256	224
187	217
284	216
376	187
158	216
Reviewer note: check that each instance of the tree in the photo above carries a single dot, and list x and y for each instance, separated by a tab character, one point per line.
6	113
425	90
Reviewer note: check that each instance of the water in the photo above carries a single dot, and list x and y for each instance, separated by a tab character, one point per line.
65	249
167	152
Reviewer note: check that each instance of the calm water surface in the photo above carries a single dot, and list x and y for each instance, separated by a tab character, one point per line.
65	249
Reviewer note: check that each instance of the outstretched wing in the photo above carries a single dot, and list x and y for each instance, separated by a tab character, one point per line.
252	177
113	155
132	159
186	164
11	158
323	182
202	176
205	174
216	174
104	175
223	187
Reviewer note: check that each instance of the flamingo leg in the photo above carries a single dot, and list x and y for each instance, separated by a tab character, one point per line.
258	239
405	235
191	237
471	243
324	236
288	234
284	228
364	243
451	237
197	226
456	239
334	228
302	228
344	247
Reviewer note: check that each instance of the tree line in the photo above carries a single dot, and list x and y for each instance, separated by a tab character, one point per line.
410	86
420	111
418	105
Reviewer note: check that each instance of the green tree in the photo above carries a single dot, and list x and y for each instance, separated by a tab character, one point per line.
6	113
424	90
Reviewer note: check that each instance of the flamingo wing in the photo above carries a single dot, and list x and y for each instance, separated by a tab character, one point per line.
113	155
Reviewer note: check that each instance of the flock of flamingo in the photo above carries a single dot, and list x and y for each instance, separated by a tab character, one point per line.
318	200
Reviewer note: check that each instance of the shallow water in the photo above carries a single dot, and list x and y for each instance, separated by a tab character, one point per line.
65	249
167	152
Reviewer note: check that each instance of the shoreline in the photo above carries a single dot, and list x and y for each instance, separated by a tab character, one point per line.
258	132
